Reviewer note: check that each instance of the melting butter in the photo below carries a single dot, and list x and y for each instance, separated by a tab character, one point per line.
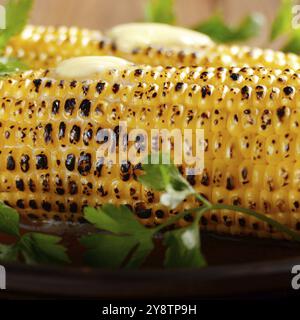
88	67
136	35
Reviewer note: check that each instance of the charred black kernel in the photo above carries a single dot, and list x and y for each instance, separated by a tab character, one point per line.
73	84
205	179
259	92
84	163
138	72
141	211
20	185
115	88
62	130
214	218
85	89
60	191
100	87
73	189
159	214
247	111
245	92
101	44
203	92
31	185
73	207
48	84
102	192
204	221
99	166
21	204
48	133
10	164
280	112
33	204
235	76
61	207
70	106
46	206
70	162
236	202
55	106
296	204
85	108
227	221
288	90
41	162
230	183
191	179
87	136
75	134
144	213
45	182
242	222
244	173
179	86
37	83
125	167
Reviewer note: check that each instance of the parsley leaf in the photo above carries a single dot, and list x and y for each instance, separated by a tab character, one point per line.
107	250
114	219
39	248
166	177
218	30
160	11
183	248
17	14
127	238
9	220
8	253
283	20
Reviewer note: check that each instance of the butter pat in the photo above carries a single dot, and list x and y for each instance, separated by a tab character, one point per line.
88	67
138	35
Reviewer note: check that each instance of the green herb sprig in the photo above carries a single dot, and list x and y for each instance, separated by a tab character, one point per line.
220	31
32	247
17	15
127	243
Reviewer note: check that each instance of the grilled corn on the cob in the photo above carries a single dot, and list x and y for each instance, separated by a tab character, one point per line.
43	47
250	118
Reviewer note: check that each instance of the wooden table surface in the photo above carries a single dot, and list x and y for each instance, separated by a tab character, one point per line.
102	14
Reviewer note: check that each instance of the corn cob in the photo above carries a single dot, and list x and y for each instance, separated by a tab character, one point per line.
44	47
250	117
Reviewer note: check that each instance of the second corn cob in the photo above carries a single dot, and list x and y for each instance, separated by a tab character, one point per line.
44	47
